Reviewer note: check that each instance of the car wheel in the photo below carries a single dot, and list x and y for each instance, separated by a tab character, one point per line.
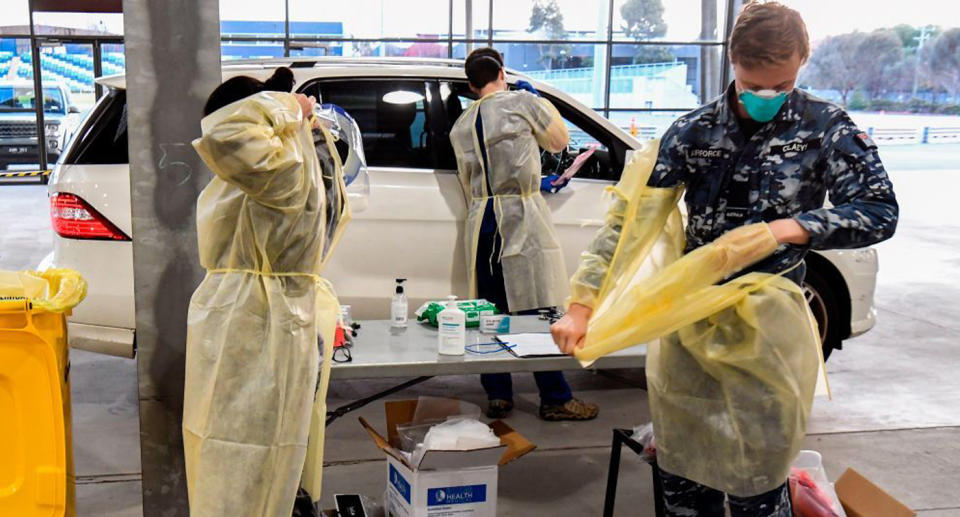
823	303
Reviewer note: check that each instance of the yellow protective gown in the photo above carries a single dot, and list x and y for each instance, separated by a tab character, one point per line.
515	125
732	378
263	224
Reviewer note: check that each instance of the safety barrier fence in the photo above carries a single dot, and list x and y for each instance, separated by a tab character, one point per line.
915	135
23	174
881	135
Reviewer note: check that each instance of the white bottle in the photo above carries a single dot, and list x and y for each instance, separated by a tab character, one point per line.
398	308
453	329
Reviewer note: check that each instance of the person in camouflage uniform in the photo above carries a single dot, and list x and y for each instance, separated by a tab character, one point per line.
737	171
765	152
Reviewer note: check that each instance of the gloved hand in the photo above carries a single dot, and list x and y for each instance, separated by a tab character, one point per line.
524	85
546	184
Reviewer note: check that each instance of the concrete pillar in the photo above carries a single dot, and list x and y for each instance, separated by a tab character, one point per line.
173	63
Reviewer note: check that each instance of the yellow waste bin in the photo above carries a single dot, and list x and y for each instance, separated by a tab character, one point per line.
36	465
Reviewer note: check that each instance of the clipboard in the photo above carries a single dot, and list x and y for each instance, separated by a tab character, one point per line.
529	345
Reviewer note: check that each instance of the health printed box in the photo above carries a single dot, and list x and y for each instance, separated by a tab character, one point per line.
444	483
440	493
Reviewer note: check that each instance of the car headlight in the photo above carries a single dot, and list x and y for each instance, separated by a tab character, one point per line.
52	130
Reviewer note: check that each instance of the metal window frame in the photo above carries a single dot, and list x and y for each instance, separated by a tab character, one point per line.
290	42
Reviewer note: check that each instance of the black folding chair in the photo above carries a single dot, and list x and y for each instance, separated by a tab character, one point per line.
622	437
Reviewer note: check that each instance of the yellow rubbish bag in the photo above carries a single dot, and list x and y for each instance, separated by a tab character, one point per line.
53	290
36	467
732	378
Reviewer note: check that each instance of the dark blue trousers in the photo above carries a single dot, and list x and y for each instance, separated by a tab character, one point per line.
554	390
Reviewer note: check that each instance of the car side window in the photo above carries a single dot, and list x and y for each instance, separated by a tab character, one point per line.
606	159
392	116
102	138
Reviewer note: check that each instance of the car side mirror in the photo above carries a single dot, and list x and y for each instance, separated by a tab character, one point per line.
73	109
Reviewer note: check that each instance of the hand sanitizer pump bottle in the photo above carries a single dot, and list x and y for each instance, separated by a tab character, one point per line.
398	308
453	329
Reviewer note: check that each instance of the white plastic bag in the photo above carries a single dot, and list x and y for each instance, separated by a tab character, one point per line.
643	434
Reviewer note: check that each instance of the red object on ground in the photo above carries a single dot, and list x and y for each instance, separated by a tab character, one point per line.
808	499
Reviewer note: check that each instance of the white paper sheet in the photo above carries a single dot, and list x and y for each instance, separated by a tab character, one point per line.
531	344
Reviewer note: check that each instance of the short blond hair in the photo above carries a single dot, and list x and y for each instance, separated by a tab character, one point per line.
768	33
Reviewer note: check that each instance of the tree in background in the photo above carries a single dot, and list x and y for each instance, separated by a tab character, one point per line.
833	66
903	68
909	36
876	60
643	20
945	61
547	20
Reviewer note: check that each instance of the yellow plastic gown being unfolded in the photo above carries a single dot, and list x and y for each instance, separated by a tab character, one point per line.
732	378
251	362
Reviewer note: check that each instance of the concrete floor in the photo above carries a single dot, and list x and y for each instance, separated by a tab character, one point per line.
895	416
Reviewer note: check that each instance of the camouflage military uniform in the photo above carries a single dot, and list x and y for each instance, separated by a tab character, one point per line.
810	149
785	169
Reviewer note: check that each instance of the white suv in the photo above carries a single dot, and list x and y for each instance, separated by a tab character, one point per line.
411	227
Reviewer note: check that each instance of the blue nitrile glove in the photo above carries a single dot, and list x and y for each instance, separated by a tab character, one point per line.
546	184
524	85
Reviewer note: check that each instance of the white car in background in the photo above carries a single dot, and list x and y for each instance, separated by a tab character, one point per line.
412	225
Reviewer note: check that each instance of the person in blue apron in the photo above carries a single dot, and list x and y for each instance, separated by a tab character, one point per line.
763	152
514	259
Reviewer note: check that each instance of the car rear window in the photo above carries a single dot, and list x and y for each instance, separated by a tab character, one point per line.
102	138
392	115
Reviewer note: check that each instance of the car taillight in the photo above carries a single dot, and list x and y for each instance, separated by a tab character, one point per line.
74	218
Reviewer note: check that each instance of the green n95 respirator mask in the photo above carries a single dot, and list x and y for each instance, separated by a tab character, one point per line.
762	105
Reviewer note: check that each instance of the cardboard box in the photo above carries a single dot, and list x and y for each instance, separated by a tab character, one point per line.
443	483
861	498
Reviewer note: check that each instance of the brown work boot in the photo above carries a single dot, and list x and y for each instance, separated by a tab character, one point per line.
499	408
574	409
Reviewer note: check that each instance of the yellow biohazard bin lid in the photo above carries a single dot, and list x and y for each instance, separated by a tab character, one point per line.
36	468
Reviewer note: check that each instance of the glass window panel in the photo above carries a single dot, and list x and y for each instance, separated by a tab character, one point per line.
644	124
424	49
550	19
370	18
656	76
251	49
16	16
669	20
68	92
112	59
475	26
18	123
263	18
317	48
66	24
460	50
575	68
